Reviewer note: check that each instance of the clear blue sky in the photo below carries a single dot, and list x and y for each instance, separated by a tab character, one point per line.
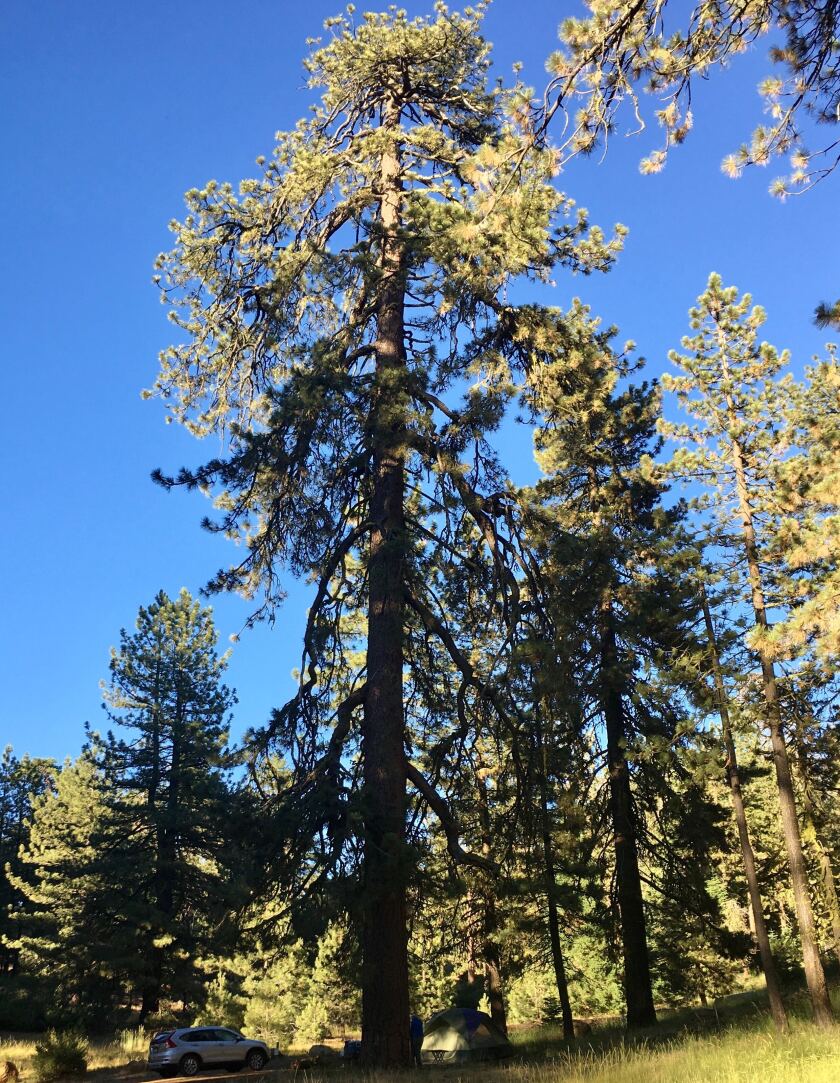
111	112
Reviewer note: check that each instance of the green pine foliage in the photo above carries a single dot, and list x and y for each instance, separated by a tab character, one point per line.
224	1003
276	989
22	781
506	746
622	49
808	538
170	808
828	315
617	609
128	875
347	327
737	447
76	934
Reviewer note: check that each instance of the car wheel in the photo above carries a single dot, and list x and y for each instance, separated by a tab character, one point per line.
190	1064
256	1059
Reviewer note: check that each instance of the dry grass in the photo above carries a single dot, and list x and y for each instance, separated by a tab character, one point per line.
125	1051
806	1056
745	1051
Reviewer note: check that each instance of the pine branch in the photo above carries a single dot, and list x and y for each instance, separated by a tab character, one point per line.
447	821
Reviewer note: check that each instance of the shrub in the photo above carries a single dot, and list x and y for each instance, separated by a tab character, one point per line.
223	1004
59	1055
313	1024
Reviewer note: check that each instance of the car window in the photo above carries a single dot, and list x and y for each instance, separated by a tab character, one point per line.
199	1036
226	1035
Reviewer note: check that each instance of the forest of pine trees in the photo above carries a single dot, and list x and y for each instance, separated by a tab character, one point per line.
557	750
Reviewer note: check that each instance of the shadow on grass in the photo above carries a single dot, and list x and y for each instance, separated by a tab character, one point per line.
745	1012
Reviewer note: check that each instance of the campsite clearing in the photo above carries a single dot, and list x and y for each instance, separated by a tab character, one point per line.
733	1044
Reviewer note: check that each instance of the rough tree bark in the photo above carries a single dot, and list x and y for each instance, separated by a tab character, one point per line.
768	964
809	813
551	889
490	953
638	989
385	1001
814	975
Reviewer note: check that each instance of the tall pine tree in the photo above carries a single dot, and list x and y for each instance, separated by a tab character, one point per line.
606	548
730	385
329	308
170	810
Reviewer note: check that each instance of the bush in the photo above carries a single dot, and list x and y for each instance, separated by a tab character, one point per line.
223	1004
313	1023
59	1055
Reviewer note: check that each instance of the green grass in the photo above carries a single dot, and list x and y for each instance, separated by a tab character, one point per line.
733	1044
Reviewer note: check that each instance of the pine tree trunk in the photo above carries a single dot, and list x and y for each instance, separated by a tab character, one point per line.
638	989
385	1002
832	903
150	999
550	891
814	974
832	900
768	964
493	977
557	957
165	857
472	973
490	952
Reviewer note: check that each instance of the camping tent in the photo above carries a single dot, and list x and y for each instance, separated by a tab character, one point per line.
463	1034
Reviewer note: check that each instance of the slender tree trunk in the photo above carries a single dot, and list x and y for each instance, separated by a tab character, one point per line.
551	889
493	972
638	989
814	974
490	952
832	903
471	947
166	856
150	996
768	964
385	1003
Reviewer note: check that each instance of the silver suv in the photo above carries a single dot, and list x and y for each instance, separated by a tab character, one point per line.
187	1051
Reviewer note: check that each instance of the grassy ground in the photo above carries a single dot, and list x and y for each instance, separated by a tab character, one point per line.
734	1043
120	1057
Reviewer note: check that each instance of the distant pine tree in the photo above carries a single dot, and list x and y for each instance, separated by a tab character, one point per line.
615	596
22	781
729	383
77	932
169	807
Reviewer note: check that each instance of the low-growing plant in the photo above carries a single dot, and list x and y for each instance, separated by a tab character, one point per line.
133	1043
61	1054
